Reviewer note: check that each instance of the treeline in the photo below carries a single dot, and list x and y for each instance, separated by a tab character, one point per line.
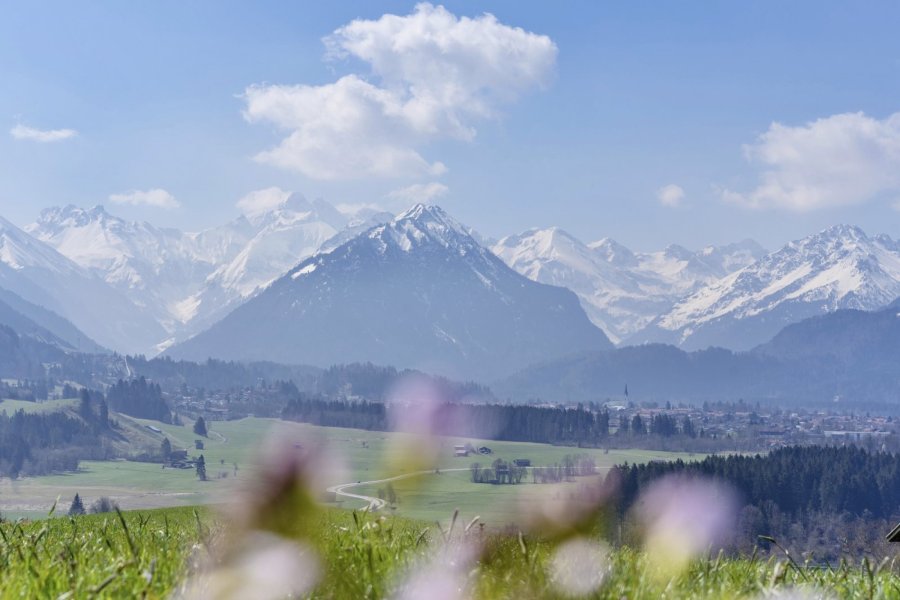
316	410
809	497
139	398
218	374
798	479
355	381
374	383
501	471
519	423
37	444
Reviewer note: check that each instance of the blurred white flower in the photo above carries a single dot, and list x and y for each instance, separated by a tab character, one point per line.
579	566
443	575
684	517
552	509
264	567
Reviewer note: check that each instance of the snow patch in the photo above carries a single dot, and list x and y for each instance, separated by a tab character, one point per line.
304	271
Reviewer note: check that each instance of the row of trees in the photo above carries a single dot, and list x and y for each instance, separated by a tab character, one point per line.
499	472
660	424
554	425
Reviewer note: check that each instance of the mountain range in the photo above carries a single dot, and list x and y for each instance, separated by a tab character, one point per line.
840	267
621	291
419	289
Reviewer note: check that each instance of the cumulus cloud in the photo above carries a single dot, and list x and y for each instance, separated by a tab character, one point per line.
670	195
841	160
23	132
435	76
156	197
262	201
419	192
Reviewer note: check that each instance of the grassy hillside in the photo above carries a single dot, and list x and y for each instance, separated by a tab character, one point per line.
354	555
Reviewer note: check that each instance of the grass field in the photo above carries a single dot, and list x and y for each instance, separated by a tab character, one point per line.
366	456
11	406
151	554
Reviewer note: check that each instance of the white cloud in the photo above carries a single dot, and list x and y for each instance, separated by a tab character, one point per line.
670	195
23	132
419	192
157	198
841	160
437	76
262	201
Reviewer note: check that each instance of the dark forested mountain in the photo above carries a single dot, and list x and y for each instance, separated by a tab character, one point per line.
418	292
23	357
651	372
36	322
858	339
849	355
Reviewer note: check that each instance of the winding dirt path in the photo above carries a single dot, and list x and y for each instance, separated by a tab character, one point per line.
374	504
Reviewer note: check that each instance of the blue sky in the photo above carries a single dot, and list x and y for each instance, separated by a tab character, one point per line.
598	107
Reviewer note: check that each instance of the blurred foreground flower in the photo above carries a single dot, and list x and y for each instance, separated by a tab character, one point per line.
292	473
682	518
263	554
262	567
414	408
444	574
565	512
579	566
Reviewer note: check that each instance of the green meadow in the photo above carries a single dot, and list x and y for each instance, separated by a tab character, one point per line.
361	456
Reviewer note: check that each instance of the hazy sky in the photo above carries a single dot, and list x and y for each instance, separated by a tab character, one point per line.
695	123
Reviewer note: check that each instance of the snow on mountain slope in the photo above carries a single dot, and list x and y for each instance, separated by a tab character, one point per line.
418	292
621	291
189	280
282	237
35	272
840	267
155	268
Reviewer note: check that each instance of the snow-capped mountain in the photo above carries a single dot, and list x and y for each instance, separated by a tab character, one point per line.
417	292
187	281
840	267
38	274
282	237
621	291
155	268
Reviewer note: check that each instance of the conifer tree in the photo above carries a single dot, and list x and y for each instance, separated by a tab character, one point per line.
104	414
77	507
84	408
201	468
200	427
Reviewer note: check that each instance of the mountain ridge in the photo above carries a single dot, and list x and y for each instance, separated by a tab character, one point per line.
416	292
